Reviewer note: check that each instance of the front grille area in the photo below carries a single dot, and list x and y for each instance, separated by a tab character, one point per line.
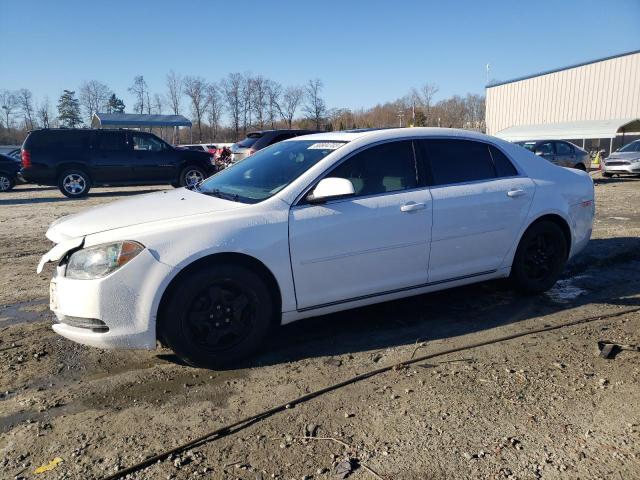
615	163
92	324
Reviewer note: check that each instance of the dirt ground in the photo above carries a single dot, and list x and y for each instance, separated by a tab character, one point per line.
540	406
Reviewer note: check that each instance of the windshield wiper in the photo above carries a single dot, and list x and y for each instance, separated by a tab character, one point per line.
225	196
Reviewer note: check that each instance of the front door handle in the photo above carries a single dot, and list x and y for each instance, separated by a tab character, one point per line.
516	192
412	206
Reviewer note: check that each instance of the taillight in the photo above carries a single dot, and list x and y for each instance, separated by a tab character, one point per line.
26	158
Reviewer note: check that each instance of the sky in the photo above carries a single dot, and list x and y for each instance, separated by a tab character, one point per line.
365	52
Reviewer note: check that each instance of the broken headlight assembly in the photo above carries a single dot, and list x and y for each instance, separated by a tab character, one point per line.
101	260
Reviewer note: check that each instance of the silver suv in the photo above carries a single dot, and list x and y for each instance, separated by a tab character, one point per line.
563	154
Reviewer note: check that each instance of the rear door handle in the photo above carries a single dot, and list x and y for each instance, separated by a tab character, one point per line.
412	206
517	192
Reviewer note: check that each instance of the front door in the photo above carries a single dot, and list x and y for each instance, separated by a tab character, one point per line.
152	161
374	242
479	205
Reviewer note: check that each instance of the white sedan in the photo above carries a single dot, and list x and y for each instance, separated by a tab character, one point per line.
310	226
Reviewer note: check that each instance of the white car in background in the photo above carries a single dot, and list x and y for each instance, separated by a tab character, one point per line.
624	161
310	226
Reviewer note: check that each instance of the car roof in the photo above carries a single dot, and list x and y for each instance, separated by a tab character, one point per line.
372	135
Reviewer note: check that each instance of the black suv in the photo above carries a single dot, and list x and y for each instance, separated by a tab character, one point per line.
9	167
258	140
74	160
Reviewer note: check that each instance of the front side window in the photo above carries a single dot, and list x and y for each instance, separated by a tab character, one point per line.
267	171
146	143
545	149
631	147
458	161
380	169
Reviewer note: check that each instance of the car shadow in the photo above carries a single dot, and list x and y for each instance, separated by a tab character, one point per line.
606	181
607	267
62	198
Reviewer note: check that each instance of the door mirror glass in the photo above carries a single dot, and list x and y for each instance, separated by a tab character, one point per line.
331	188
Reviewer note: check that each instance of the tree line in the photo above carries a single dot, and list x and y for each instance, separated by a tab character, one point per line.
227	109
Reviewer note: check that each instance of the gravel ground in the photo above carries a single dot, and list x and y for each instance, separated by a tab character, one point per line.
540	406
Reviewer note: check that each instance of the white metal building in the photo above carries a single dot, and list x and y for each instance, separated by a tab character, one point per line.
596	103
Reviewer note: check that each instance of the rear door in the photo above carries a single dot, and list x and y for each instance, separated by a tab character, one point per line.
374	242
480	202
152	160
110	157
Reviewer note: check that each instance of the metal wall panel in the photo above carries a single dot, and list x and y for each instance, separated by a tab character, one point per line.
607	89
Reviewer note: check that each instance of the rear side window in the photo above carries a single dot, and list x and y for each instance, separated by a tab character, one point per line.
457	161
111	141
384	168
563	148
59	139
504	167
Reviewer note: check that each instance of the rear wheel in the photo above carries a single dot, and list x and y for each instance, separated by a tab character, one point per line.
540	257
580	166
6	182
191	176
74	183
217	316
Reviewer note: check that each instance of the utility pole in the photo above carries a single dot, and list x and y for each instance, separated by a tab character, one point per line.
400	117
488	68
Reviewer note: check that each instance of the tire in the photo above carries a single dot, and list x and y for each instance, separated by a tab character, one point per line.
74	183
580	166
216	316
191	175
540	258
607	174
7	182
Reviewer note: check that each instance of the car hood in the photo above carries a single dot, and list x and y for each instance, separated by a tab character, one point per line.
623	156
137	210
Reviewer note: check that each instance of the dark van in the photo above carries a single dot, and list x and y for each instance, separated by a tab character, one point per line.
75	160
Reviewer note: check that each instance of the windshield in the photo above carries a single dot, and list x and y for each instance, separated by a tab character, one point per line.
267	171
631	147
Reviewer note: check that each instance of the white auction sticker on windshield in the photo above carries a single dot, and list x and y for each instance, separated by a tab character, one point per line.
325	146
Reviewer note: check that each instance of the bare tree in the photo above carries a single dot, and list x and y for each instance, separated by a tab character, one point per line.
232	89
93	97
8	104
274	90
247	102
196	89
43	112
25	101
426	95
315	108
157	103
174	91
289	103
260	99
214	109
139	91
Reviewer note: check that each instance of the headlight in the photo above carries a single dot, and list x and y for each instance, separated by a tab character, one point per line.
635	160
101	260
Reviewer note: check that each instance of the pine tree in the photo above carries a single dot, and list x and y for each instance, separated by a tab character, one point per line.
69	109
115	104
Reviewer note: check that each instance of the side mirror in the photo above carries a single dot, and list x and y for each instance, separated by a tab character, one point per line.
331	188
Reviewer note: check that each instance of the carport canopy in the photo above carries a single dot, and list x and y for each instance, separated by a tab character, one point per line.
135	120
570	130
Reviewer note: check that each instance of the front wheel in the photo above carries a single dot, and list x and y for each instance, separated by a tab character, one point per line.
217	316
191	176
74	183
540	258
6	182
